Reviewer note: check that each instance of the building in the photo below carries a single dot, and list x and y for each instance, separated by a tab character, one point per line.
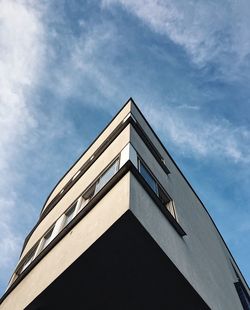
123	229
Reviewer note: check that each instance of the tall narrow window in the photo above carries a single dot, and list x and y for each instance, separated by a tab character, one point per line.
148	176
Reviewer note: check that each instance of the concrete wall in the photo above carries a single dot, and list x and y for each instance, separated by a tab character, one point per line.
78	240
199	256
106	157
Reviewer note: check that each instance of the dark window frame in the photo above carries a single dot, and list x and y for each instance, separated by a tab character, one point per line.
160	192
142	166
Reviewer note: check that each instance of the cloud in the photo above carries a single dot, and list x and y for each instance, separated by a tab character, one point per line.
85	70
21	59
215	36
210	31
216	138
21	41
10	241
188	107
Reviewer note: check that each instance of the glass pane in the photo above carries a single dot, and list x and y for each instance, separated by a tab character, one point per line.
244	297
84	202
47	238
69	215
163	196
171	208
89	193
148	177
107	175
28	260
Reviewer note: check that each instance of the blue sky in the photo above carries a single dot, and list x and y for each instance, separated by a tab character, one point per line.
66	67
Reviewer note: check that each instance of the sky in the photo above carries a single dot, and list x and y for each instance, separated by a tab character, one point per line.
67	67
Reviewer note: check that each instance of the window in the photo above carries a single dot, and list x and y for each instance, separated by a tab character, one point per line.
106	176
244	297
76	175
171	208
162	195
69	214
148	176
28	260
167	201
89	193
83	203
100	182
47	238
242	292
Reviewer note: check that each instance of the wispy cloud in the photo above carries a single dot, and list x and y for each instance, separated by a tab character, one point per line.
85	71
22	54
215	38
210	31
188	107
21	57
196	136
87	65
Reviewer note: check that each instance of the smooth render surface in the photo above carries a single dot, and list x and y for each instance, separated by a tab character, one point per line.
198	256
126	270
85	233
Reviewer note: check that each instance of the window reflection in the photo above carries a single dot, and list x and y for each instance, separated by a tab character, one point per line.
106	176
28	260
157	188
69	215
47	238
148	177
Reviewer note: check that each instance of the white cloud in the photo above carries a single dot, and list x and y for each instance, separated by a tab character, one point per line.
85	69
21	41
86	63
216	138
188	107
21	58
10	240
210	31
